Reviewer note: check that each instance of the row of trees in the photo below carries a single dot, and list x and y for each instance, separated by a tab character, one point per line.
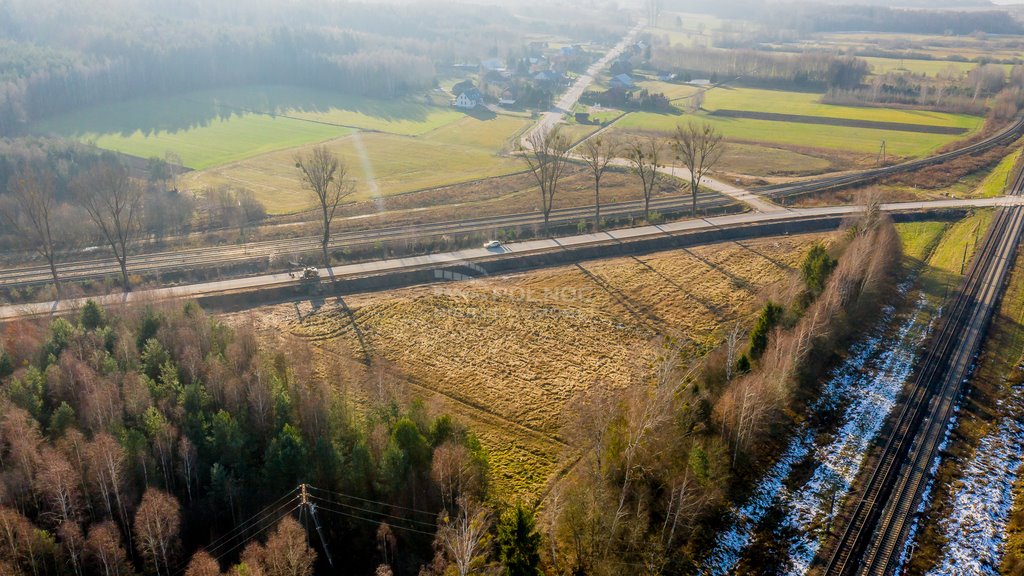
698	147
132	441
816	70
949	91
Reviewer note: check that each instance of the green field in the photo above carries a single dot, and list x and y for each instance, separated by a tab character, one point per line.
215	127
995	183
381	164
849	139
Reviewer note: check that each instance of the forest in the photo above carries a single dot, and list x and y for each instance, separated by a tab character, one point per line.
809	17
130	440
57	56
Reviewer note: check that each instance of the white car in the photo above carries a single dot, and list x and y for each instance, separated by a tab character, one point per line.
493	244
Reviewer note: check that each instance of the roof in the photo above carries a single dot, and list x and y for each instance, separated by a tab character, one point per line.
623	79
473	94
547	76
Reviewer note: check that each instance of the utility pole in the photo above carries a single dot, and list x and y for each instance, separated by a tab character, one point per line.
881	154
305	504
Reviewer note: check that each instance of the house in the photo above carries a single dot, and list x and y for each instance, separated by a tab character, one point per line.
469	99
666	76
699	82
548	77
508	97
622	82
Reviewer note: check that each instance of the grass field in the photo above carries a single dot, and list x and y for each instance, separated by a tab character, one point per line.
944	247
849	139
756	160
506	354
381	164
998	179
671	90
215	127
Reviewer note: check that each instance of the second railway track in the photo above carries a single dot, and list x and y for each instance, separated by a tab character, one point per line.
876	530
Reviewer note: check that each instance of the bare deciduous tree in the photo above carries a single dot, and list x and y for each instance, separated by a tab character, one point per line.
699	147
644	156
104	551
31	212
202	564
157	522
324	174
547	158
466	536
598	154
286	551
114	203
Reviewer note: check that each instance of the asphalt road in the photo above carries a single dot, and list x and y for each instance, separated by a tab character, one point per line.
509	250
568	100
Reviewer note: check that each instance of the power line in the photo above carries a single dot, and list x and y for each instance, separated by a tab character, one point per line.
250	520
371	520
368	511
368	501
210	549
278	517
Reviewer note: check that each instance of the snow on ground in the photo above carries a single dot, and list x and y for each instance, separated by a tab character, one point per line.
975	530
809	508
867	383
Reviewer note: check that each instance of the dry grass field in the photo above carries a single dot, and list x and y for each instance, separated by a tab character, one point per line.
507	354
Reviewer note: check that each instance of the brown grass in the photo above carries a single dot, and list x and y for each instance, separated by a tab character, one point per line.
506	354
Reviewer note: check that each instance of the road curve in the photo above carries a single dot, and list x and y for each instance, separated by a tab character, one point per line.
511	250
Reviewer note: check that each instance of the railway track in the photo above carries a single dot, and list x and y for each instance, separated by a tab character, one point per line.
873	539
788	191
210	257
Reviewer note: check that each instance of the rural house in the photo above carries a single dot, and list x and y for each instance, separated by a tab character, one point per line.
469	99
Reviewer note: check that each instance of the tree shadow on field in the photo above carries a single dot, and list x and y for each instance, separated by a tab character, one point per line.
736	281
691	295
367	356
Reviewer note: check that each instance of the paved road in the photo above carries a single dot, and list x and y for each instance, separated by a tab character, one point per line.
568	100
512	250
